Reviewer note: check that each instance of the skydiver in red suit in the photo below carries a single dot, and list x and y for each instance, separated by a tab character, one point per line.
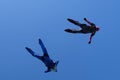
85	29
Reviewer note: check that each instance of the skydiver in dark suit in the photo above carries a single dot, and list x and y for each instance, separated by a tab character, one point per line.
85	29
51	66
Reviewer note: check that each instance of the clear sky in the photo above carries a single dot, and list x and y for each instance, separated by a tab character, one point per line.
23	22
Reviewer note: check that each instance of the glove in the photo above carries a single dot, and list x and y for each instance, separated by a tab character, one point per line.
85	19
89	42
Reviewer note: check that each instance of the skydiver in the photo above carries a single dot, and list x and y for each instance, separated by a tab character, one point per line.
51	66
85	29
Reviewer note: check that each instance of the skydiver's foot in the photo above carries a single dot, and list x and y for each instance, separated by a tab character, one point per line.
68	30
70	20
30	51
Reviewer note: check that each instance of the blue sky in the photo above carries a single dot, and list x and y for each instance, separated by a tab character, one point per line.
23	22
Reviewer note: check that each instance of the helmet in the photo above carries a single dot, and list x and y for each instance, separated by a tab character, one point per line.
97	28
54	68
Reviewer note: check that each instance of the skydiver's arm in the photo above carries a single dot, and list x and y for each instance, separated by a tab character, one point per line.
88	21
43	48
91	37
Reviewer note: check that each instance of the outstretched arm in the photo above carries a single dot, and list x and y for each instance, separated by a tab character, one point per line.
91	37
88	21
43	48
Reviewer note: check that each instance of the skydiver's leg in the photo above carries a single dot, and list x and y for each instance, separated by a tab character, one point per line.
72	31
43	48
74	22
30	51
77	23
33	53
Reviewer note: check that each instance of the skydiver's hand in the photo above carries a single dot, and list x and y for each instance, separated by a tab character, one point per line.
85	19
89	42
